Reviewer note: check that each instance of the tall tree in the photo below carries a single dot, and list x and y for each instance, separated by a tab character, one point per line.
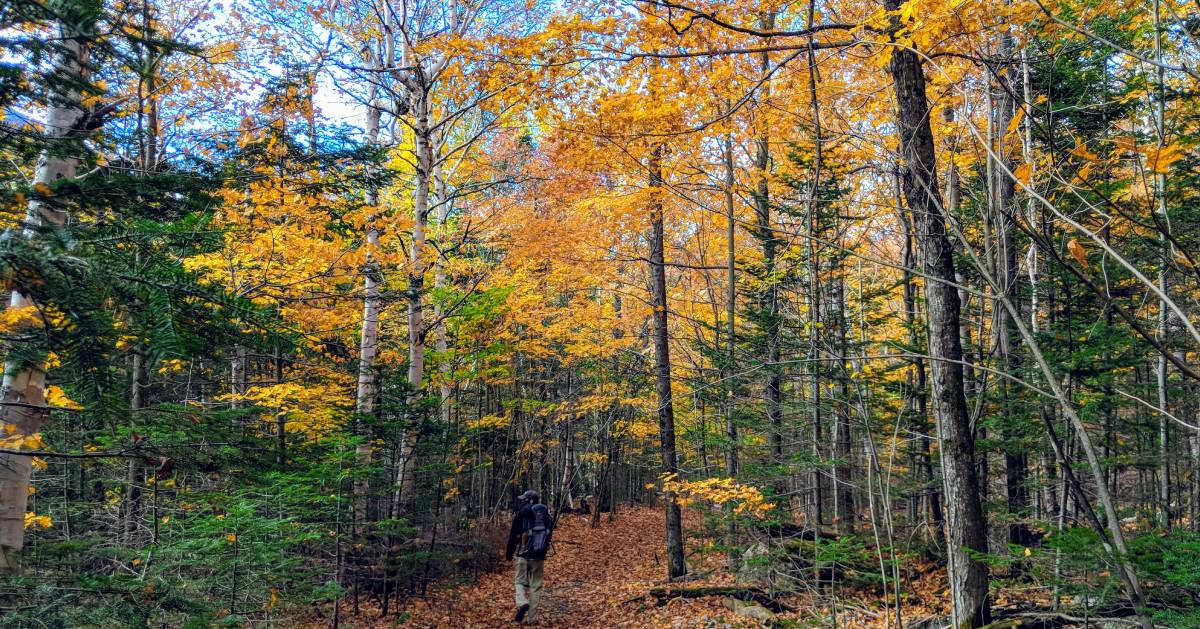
24	387
966	526
662	361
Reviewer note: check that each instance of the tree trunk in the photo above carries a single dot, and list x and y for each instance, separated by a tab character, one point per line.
1003	188
731	428
770	298
662	366
132	499
442	204
1164	319
844	486
564	499
423	148
369	340
967	530
918	398
27	387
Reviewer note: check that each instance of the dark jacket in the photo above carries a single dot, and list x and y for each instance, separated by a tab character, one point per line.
522	522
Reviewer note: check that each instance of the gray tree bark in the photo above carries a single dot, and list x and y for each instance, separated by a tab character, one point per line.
662	366
967	532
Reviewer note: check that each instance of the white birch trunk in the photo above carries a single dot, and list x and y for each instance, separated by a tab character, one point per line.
416	287
369	340
24	392
439	281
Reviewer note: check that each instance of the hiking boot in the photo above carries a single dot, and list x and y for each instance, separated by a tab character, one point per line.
521	611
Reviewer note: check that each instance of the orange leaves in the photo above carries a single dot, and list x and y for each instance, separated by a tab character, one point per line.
1015	123
1160	159
18	441
1022	173
1078	252
590	577
1081	151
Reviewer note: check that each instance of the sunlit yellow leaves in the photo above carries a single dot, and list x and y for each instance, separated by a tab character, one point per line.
882	57
1081	151
1125	142
1022	173
490	422
13	319
1084	172
1015	123
745	499
17	441
643	430
1160	159
33	520
56	397
1135	95
172	365
309	406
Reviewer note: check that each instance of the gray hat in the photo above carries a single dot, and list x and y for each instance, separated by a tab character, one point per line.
531	495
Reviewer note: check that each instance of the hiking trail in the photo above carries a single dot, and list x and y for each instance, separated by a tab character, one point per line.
598	577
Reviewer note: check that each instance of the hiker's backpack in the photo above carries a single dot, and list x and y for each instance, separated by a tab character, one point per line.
539	531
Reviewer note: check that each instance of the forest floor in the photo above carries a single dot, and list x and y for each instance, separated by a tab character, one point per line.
602	578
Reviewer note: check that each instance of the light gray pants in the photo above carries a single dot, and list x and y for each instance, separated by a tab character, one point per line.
529	575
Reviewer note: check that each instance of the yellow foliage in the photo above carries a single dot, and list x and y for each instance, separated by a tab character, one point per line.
490	422
172	365
1159	159
745	499
312	406
32	520
13	319
643	430
1022	173
56	397
22	442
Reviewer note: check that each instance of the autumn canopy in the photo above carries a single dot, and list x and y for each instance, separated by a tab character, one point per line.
795	313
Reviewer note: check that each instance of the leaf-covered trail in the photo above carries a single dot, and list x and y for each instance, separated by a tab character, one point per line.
589	579
601	578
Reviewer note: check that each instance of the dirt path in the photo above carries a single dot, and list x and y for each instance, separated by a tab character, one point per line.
589	579
600	578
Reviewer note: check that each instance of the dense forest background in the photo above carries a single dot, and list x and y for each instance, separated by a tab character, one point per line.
861	296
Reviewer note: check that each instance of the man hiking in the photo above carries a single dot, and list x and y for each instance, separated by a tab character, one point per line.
530	539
